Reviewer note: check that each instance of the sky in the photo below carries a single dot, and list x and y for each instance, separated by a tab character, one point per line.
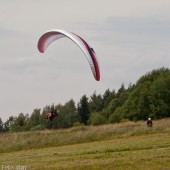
130	38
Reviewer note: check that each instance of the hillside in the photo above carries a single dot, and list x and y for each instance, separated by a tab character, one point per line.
126	145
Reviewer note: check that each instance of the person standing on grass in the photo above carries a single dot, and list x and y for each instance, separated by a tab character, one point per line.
149	122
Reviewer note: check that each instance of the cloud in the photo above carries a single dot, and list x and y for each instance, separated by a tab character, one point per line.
130	30
7	33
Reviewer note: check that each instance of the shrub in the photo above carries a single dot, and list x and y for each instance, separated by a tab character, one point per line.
97	119
115	117
38	127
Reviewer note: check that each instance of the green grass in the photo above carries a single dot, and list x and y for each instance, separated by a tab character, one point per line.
121	146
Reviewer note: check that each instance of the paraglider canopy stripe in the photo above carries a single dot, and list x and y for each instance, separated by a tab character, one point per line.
47	38
93	56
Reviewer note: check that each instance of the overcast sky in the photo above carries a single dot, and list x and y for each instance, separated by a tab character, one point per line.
130	38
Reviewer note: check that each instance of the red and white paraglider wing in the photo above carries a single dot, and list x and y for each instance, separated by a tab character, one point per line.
50	36
47	38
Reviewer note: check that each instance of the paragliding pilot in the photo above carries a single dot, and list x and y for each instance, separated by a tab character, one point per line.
149	122
51	115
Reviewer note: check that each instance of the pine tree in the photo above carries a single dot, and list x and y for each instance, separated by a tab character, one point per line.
83	110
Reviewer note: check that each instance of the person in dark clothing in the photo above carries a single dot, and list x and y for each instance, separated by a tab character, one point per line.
149	122
51	115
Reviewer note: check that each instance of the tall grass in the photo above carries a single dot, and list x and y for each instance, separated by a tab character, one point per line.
130	152
49	138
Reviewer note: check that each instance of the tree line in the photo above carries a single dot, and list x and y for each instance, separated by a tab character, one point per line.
149	97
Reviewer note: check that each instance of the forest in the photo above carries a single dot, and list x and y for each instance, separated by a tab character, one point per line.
148	97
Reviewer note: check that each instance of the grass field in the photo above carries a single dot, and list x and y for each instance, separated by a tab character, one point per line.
120	146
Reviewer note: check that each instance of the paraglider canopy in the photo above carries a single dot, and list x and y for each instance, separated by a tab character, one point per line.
50	36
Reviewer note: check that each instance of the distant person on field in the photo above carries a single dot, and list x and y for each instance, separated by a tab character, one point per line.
149	122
